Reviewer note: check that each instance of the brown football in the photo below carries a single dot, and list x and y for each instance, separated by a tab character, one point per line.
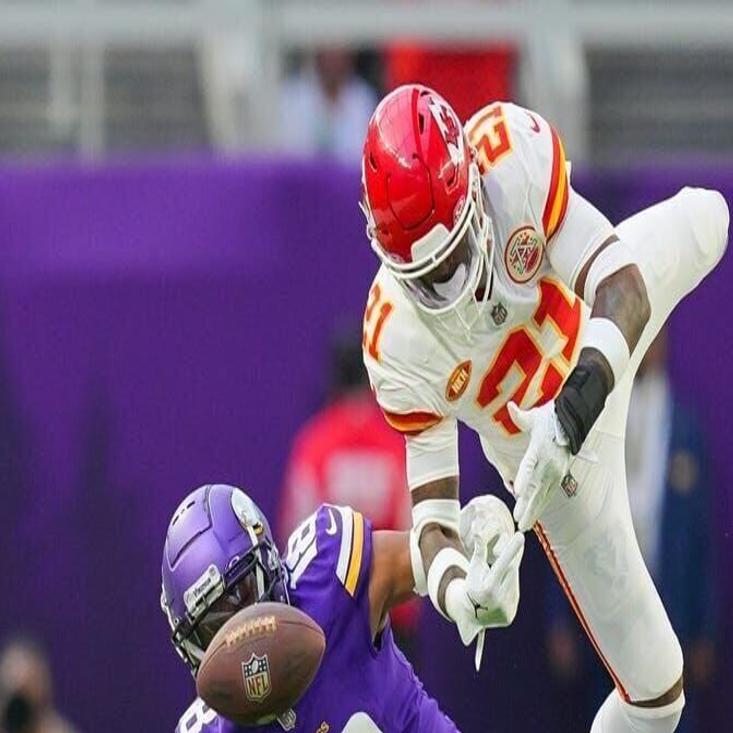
260	663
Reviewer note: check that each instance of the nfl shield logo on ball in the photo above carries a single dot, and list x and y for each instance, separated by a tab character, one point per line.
523	254
256	673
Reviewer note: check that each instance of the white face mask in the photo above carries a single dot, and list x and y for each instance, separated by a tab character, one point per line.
454	274
443	279
450	290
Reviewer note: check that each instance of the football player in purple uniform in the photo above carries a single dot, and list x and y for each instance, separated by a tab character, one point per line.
340	572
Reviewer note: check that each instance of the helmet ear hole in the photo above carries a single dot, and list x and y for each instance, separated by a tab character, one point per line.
421	122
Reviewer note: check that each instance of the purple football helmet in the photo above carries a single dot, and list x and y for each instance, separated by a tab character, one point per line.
219	557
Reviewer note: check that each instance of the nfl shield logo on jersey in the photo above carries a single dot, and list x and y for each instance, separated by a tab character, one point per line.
256	673
288	720
523	254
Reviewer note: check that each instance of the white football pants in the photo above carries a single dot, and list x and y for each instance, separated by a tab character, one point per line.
589	536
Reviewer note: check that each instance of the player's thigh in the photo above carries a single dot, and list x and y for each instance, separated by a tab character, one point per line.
590	542
676	242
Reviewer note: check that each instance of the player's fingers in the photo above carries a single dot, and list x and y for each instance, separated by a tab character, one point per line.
533	509
525	471
509	587
525	521
480	551
521	418
511	572
513	550
519	508
477	570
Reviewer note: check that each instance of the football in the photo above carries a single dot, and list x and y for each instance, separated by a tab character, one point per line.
260	663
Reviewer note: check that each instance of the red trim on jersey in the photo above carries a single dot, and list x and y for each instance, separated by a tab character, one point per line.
557	197
555	564
411	423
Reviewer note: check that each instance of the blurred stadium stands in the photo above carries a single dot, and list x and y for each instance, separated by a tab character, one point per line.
622	80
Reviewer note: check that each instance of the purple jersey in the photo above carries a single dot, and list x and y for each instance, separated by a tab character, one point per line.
360	687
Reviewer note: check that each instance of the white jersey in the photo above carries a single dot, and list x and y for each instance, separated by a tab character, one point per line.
427	375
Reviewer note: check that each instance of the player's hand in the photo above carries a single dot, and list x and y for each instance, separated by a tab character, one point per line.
486	519
494	589
544	464
489	594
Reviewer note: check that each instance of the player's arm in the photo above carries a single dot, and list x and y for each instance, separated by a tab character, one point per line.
620	311
469	593
589	255
439	564
585	251
391	581
488	599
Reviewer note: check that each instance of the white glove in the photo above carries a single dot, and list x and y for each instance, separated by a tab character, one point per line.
544	464
486	519
489	594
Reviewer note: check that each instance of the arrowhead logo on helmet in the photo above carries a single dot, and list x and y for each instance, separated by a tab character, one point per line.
451	130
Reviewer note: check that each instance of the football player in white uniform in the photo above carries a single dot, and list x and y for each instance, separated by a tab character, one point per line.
507	301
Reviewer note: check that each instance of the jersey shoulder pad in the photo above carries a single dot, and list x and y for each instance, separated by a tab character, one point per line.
331	548
522	159
199	718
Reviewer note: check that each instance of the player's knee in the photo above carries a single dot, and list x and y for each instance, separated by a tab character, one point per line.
655	720
710	218
667	683
618	715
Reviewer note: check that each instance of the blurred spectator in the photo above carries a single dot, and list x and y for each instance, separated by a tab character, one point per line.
669	494
347	454
325	108
26	690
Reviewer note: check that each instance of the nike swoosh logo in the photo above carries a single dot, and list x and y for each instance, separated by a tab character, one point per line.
535	125
331	529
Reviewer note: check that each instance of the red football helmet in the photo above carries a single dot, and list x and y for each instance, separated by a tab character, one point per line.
424	201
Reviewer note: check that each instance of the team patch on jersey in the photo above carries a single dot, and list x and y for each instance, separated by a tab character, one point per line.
458	381
256	673
523	254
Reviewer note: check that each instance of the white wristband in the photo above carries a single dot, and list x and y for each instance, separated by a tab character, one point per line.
603	334
455	597
447	558
445	512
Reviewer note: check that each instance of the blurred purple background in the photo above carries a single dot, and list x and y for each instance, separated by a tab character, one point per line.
165	325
